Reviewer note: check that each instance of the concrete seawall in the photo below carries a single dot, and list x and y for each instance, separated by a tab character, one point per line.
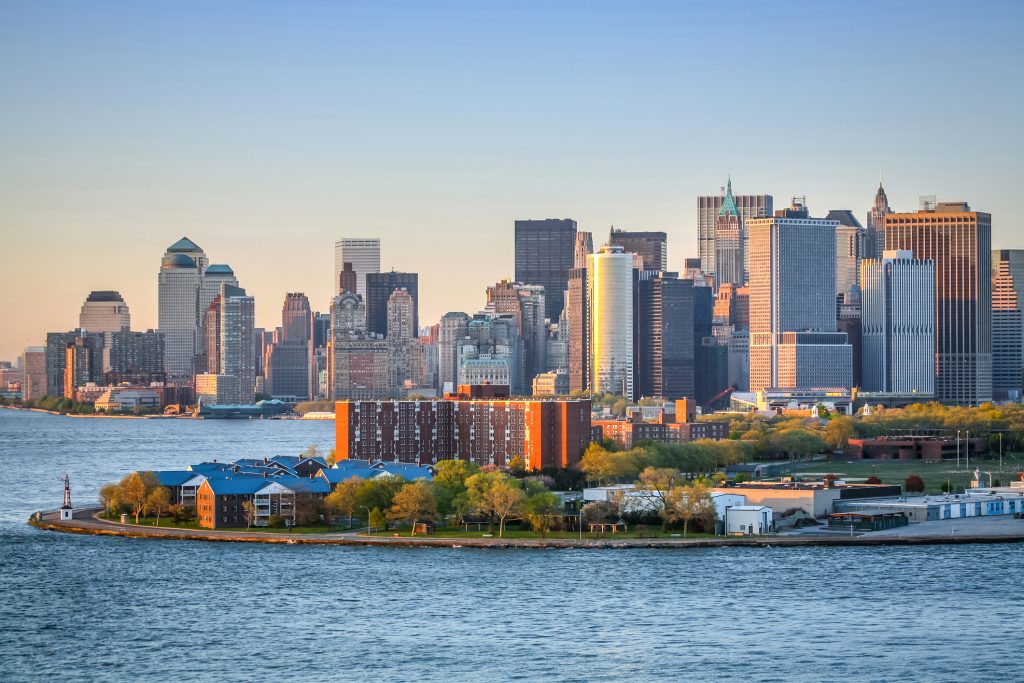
85	522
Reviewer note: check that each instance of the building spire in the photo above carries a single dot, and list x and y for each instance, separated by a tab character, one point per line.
728	203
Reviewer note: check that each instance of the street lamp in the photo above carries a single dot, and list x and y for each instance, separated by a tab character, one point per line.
958	450
369	529
967	451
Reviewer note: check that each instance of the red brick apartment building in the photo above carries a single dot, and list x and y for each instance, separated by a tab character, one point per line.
479	423
667	428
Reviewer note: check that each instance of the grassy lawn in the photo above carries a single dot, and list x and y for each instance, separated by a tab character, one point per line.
168	523
934	474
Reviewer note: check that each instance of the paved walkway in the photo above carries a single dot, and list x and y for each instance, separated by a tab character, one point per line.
971	530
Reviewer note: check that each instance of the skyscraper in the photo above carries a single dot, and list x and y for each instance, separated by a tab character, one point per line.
402	337
730	264
850	239
527	304
33	364
1007	331
793	339
610	297
179	281
545	251
584	248
135	357
379	287
238	322
898	324
708	209
296	318
348	281
287	373
665	353
104	311
452	330
577	319
874	236
959	241
651	247
364	255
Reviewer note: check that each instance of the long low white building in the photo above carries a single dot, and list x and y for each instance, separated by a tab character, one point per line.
974	503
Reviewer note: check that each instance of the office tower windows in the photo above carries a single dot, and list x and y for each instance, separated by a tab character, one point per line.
1007	332
793	339
545	251
898	324
959	241
379	288
850	238
708	208
665	336
651	247
363	254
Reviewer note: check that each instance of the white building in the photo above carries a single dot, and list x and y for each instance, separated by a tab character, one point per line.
749	520
114	400
898	324
610	290
363	254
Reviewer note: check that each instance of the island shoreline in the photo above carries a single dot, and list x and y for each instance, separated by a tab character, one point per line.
91	525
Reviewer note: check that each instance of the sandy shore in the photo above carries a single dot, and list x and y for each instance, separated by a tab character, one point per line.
1001	531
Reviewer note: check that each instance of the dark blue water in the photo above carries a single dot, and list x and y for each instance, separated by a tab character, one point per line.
80	608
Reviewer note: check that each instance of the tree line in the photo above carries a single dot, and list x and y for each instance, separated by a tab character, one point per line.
460	491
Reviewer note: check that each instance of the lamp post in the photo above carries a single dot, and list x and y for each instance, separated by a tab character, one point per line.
369	529
958	450
967	451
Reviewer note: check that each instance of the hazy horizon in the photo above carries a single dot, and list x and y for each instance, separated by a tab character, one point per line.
264	132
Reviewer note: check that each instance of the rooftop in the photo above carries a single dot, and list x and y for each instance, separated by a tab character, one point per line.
105	296
184	245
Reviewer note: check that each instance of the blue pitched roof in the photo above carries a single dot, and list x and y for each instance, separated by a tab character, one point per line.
205	467
173	477
338	476
236	485
304	485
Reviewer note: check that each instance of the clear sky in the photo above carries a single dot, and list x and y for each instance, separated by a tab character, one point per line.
265	130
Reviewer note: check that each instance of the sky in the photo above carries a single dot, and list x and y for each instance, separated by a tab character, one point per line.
264	131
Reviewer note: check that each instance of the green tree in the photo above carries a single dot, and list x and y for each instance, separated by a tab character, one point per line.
110	498
540	509
134	491
495	495
158	502
517	467
450	484
839	431
414	502
344	498
690	503
378	492
377	520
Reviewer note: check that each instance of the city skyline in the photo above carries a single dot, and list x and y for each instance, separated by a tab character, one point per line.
260	169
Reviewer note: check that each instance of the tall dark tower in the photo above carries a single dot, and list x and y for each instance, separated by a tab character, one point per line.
379	288
545	252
